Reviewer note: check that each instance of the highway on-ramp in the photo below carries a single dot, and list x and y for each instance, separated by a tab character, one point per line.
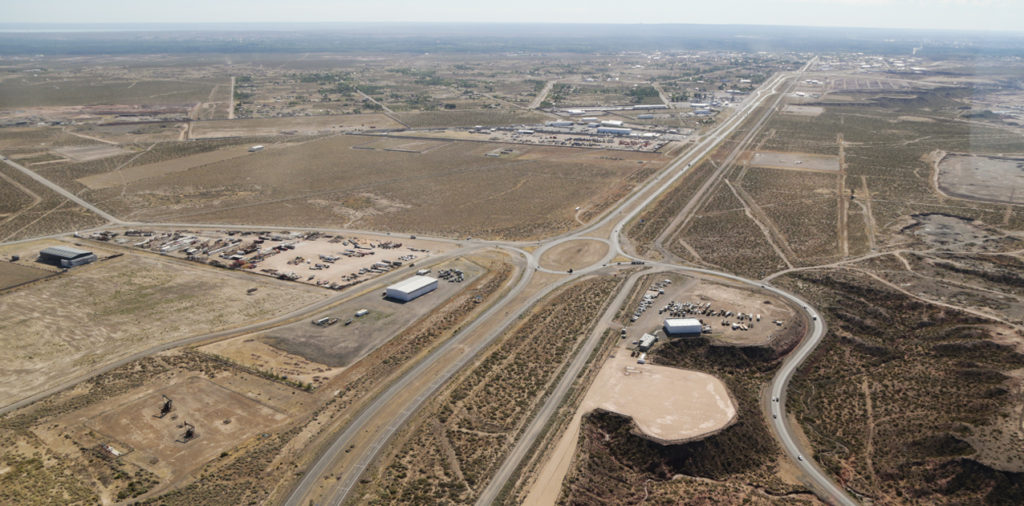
424	377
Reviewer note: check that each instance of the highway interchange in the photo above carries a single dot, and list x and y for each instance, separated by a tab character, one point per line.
382	418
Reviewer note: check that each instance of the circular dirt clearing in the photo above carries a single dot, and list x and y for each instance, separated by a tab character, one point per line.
574	255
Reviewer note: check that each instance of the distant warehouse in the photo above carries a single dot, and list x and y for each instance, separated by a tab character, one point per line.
411	288
614	130
681	326
64	256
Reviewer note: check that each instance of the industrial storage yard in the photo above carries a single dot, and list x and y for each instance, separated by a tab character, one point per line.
334	261
731	315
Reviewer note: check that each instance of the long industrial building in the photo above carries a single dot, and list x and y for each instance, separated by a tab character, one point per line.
65	256
411	288
682	326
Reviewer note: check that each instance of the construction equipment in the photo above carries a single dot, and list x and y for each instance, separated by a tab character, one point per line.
166	407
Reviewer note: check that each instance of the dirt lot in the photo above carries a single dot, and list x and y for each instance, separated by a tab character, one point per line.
454	190
987	178
255	353
668	405
799	161
574	254
90	152
106	310
802	110
12	274
156	443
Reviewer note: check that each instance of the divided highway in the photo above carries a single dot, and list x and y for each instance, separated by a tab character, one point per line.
429	375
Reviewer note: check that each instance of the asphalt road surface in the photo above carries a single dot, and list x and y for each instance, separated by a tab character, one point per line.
639	199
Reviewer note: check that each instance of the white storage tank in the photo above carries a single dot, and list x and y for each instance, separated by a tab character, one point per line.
411	288
682	326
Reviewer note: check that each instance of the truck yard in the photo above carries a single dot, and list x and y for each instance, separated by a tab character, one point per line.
330	261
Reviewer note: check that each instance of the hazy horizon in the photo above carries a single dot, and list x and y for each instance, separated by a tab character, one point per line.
972	15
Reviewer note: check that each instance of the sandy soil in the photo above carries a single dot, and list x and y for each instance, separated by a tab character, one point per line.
91	152
574	254
127	423
991	179
668	405
803	110
795	161
98	313
254	353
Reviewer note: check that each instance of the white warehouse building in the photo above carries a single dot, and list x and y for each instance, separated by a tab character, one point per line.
677	326
411	288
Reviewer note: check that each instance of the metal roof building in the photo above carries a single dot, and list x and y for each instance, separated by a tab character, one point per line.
647	341
676	326
65	256
411	288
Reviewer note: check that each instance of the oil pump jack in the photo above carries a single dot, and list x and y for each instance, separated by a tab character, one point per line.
166	407
190	433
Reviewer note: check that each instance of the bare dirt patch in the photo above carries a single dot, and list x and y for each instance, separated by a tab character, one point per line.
574	254
803	110
985	178
90	152
916	119
794	161
668	405
222	419
254	353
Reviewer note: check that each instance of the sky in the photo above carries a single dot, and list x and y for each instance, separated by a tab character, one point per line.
1001	15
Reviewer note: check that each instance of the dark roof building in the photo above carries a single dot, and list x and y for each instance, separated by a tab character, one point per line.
65	256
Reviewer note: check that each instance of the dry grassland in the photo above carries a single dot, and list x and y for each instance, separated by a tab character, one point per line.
12	274
138	172
454	190
107	310
46	91
89	152
574	254
311	125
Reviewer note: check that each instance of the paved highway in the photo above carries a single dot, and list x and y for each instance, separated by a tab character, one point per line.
825	486
55	187
635	203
